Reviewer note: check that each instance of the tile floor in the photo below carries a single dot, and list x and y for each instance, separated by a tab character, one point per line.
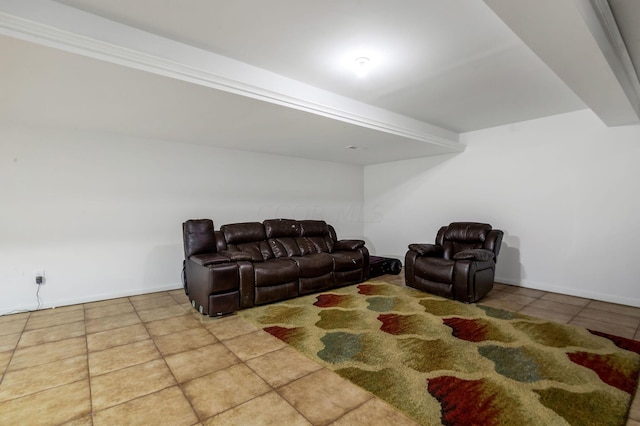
151	359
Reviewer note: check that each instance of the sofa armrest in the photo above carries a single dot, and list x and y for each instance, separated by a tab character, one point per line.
236	255
431	250
348	245
205	259
481	255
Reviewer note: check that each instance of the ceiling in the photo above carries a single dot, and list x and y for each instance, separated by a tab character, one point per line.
275	77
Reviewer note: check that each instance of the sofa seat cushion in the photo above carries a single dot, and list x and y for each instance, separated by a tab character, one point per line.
347	261
434	269
314	265
274	272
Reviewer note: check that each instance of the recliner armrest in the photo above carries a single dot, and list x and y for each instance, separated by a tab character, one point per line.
348	244
236	255
205	259
474	254
427	249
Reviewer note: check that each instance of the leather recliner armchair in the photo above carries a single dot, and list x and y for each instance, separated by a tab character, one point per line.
460	265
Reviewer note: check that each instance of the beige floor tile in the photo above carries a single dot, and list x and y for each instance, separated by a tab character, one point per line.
121	357
47	352
107	302
282	366
31	380
23	316
556	316
375	412
185	340
500	286
153	303
224	389
5	357
81	421
9	342
630	311
634	411
518	299
550	305
172	325
95	325
230	327
564	298
323	396
50	407
166	407
609	317
528	292
179	296
200	362
254	344
632	422
161	313
501	304
51	334
13	326
146	296
124	385
266	410
108	310
56	310
116	337
54	318
596	325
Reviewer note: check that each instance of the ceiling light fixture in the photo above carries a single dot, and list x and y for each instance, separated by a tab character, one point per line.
354	147
362	66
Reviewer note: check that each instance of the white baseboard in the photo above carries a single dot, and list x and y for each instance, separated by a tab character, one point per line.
571	291
87	299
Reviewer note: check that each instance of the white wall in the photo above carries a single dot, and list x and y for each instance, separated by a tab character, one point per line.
102	214
564	189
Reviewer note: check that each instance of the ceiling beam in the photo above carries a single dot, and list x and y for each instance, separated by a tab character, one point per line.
56	25
580	42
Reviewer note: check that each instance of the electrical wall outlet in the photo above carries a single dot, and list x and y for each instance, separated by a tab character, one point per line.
39	276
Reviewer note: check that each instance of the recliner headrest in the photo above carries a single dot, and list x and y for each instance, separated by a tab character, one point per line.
314	228
467	231
280	228
238	233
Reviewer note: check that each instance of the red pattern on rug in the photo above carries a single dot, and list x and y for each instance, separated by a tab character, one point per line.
464	402
470	330
603	366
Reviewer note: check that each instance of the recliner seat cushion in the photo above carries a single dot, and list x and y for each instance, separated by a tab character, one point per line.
314	265
274	272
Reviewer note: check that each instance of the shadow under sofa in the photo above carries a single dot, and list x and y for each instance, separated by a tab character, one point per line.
246	264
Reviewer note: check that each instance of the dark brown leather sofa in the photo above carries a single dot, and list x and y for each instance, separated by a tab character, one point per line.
460	265
253	263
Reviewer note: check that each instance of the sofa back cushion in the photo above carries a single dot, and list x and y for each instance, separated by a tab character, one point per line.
317	236
282	234
198	237
460	236
249	238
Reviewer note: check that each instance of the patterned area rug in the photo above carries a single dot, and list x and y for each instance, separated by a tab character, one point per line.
444	362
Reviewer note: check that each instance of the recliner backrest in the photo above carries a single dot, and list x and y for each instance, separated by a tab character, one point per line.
317	236
459	236
248	237
198	237
281	235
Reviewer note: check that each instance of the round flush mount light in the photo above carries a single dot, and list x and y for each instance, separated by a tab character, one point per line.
354	147
362	66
